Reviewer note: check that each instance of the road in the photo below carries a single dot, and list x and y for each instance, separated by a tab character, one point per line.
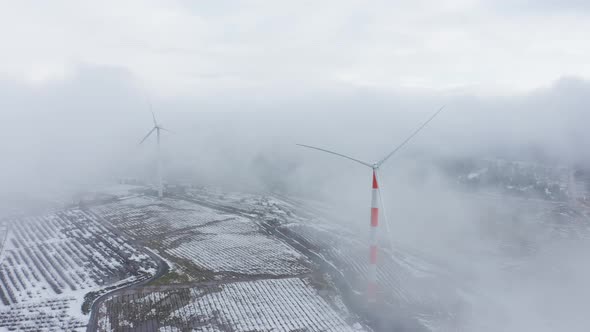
163	268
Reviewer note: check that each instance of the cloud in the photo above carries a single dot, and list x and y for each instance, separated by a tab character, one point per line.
65	131
89	122
538	7
182	48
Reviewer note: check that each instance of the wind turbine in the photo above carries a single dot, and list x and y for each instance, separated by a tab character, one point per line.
375	198
157	127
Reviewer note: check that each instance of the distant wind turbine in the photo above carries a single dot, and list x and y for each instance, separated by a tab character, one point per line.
375	198
157	127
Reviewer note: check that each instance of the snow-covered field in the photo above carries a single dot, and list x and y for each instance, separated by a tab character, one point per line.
289	304
239	262
50	262
417	289
420	291
211	240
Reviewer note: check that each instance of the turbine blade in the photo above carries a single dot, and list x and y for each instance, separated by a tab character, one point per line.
410	137
148	135
336	153
168	130
153	116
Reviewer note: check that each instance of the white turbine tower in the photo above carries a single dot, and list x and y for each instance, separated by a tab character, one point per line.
375	198
157	127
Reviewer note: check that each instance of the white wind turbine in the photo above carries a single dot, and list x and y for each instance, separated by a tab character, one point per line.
157	127
375	198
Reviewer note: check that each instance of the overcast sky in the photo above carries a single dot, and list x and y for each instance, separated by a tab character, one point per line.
239	82
203	48
75	78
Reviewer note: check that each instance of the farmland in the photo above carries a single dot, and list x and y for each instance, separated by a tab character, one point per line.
215	240
417	291
55	265
289	304
202	242
238	262
408	284
50	262
408	281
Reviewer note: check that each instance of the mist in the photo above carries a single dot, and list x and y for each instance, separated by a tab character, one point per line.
486	195
72	134
93	120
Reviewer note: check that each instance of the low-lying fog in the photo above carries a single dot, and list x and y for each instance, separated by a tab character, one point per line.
517	271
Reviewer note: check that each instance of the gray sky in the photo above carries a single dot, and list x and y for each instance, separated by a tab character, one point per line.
236	79
204	48
239	82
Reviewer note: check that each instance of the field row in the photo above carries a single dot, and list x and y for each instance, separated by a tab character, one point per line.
46	315
264	305
61	256
203	238
66	251
403	280
245	254
145	218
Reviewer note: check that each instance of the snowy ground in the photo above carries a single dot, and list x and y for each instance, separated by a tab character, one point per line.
233	255
205	239
221	238
50	262
289	304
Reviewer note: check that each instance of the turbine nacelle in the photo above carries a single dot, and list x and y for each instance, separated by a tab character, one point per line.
157	127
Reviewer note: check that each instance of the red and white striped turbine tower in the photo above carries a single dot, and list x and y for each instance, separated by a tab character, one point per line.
375	199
